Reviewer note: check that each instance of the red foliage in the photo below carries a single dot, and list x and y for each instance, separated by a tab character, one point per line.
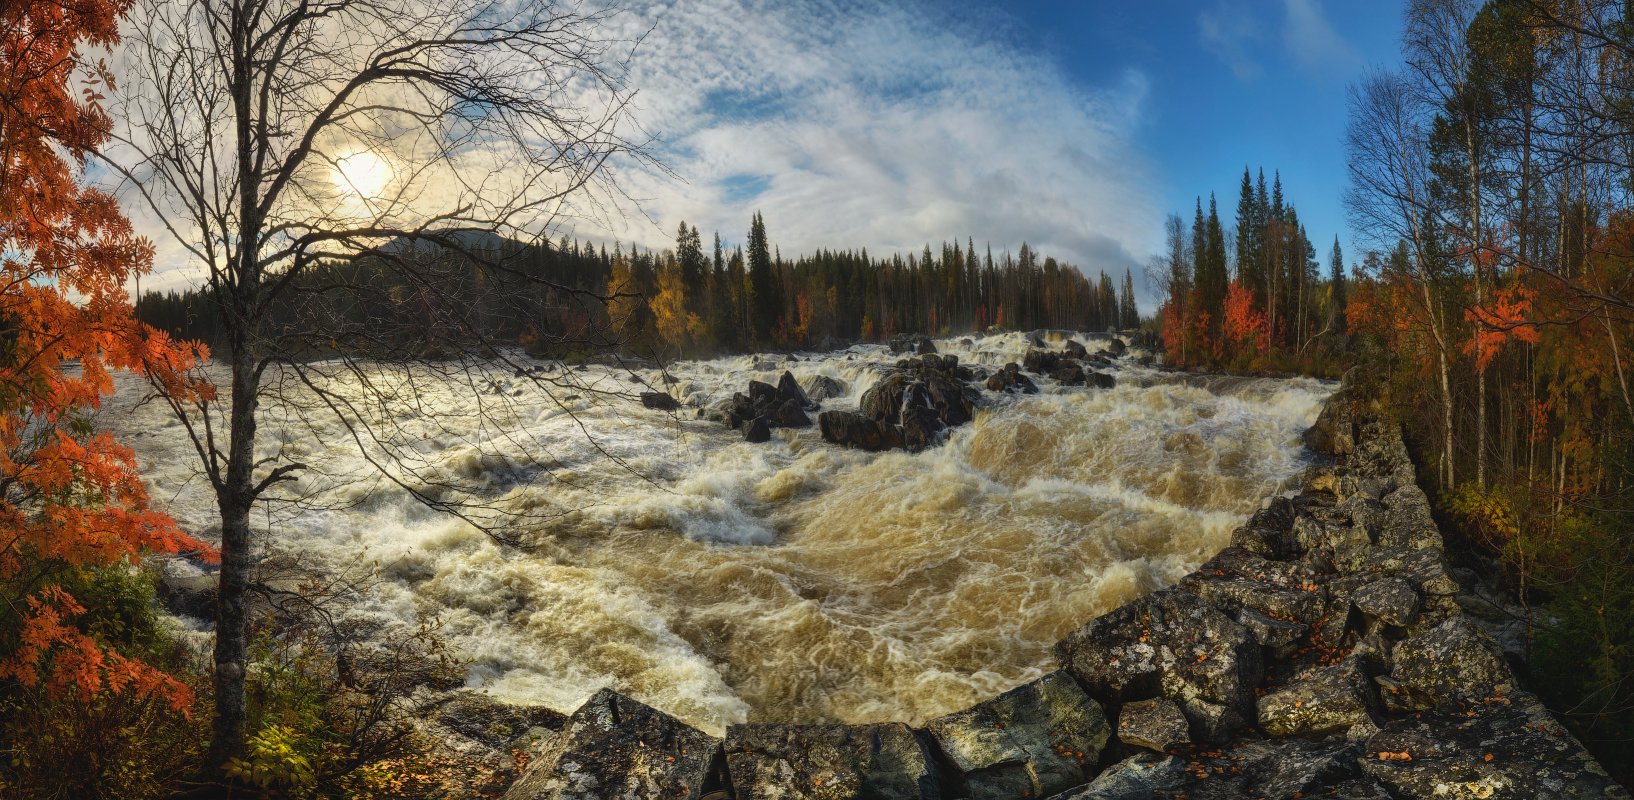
73	497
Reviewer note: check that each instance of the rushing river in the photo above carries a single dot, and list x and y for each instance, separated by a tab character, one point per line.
793	580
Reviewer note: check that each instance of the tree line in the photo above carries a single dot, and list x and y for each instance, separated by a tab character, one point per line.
1254	298
570	296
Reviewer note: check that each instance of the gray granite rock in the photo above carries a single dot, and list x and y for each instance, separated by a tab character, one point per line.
1031	741
616	747
1172	644
830	762
1323	701
1139	777
1156	724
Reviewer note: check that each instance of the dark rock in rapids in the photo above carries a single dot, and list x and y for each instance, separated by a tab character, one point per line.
856	430
1069	375
1032	741
1041	362
758	430
1073	349
789	389
830	762
1009	379
821	387
661	401
616	747
789	415
914	404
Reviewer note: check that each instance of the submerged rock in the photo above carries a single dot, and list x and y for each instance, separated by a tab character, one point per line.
1031	741
661	401
830	762
821	387
616	747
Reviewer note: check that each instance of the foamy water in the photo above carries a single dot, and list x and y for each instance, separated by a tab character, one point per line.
723	581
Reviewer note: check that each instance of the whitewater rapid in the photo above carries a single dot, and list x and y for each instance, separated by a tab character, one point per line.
723	581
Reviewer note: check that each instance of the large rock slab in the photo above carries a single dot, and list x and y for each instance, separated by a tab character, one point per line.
1031	741
1156	724
1325	700
830	762
1505	750
1171	644
1454	661
617	747
1140	777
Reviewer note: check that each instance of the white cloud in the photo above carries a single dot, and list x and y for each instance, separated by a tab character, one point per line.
1229	32
852	125
1314	43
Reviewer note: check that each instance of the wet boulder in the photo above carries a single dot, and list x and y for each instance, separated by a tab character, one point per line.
616	747
822	387
789	415
1032	741
1074	350
912	343
1041	362
1156	724
788	389
757	431
661	401
1116	348
856	430
1009	379
1069	375
762	395
1099	380
1171	644
830	762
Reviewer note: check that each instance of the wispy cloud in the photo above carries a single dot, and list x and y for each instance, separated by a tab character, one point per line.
1314	43
853	124
1230	32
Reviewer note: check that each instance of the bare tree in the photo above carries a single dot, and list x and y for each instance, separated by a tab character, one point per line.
1388	199
281	142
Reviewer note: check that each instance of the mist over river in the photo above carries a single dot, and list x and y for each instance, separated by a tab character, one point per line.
794	580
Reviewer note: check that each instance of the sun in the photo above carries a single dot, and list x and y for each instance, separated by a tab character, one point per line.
363	173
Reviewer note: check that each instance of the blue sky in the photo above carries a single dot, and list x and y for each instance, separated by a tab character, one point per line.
1232	83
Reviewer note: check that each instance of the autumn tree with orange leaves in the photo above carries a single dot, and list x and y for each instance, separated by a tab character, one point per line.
70	497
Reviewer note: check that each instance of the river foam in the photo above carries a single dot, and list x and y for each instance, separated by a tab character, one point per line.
723	581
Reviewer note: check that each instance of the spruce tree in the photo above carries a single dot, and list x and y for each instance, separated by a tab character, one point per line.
1128	311
1336	287
765	295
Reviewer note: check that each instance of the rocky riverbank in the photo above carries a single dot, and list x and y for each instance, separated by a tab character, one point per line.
1323	654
